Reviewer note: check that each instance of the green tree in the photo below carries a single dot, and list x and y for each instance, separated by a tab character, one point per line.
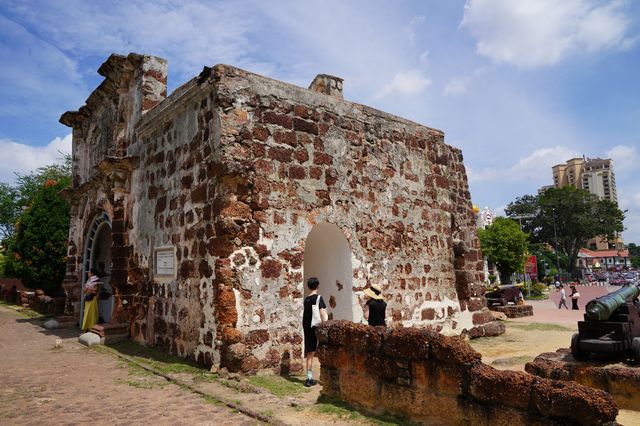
634	254
14	199
569	216
36	252
504	244
525	210
34	226
2	260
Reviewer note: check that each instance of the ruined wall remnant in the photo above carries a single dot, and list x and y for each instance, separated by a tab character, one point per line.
224	181
622	382
436	379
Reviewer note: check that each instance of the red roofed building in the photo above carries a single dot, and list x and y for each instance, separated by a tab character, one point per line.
604	259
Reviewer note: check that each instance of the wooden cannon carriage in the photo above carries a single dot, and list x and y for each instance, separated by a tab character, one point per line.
611	326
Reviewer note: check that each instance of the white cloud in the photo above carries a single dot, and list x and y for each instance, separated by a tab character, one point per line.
535	167
538	164
424	57
194	33
531	34
456	86
484	175
405	83
33	69
625	158
23	159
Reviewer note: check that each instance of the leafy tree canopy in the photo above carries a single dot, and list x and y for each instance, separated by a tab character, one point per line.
14	199
34	220
634	254
571	215
504	244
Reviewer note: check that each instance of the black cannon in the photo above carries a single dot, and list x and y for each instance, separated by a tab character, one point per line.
611	325
504	294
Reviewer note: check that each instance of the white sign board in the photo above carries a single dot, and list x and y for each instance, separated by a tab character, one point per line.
165	261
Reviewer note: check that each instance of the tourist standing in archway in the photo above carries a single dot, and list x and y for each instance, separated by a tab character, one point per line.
314	313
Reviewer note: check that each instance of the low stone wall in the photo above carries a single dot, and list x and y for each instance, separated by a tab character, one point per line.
435	379
514	311
623	383
41	303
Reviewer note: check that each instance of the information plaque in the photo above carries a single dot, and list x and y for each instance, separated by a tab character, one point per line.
165	261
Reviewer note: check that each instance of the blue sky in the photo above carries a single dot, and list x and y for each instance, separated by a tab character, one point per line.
518	85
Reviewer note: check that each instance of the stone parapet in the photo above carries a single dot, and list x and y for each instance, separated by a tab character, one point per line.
514	311
622	382
434	379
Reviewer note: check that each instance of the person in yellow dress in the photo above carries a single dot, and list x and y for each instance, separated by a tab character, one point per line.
91	288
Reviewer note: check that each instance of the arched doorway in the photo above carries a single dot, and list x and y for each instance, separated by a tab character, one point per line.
327	256
97	254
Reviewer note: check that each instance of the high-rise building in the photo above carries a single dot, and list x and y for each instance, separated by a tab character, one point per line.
591	174
596	176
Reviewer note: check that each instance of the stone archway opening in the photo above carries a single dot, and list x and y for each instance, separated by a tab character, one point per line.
97	254
327	256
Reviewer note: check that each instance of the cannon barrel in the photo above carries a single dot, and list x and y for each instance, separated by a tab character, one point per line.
603	307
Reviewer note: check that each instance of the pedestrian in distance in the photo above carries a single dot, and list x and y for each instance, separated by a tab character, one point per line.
374	309
563	298
575	295
314	313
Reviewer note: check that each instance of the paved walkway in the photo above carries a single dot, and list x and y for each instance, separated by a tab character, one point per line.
546	311
76	385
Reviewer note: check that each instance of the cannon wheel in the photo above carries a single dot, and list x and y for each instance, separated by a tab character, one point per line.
578	354
635	349
516	300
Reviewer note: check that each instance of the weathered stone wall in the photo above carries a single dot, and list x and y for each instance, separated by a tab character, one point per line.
102	130
622	382
233	171
436	379
513	311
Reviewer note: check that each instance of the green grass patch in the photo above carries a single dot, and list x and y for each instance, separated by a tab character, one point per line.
204	376
541	297
211	400
344	411
538	326
25	312
142	384
158	360
281	387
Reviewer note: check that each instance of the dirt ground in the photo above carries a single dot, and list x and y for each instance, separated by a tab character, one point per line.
76	385
548	330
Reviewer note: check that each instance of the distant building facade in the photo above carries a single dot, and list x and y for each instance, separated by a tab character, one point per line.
591	174
595	175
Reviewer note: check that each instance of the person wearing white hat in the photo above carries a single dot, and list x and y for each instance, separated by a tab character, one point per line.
374	309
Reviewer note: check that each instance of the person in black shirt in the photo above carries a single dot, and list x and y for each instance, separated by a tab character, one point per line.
310	340
374	309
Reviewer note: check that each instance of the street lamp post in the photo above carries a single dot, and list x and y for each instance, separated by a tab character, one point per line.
555	236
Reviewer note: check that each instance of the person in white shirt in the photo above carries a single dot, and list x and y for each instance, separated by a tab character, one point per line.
563	298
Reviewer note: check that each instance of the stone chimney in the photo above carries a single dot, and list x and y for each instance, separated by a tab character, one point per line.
327	84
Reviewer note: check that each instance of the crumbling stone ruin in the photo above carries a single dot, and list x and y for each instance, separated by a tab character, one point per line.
435	379
206	211
622	382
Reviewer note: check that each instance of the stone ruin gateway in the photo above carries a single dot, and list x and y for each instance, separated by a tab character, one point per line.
209	208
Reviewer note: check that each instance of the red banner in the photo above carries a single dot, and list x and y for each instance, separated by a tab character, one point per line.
531	267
